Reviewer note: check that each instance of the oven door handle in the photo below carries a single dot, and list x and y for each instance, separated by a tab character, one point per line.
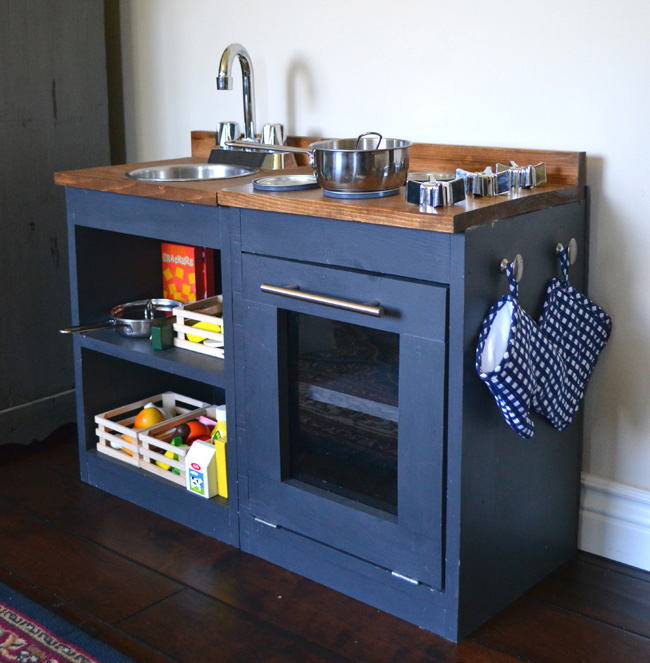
293	292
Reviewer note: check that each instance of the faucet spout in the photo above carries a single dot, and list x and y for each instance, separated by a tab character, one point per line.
224	82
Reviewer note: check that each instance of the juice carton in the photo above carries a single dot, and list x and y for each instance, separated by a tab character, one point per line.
201	469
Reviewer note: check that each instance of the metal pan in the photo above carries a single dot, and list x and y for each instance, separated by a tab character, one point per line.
134	319
367	163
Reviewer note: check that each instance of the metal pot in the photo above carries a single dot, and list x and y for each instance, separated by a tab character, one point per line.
364	164
133	319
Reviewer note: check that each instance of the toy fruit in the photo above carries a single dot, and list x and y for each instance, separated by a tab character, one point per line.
197	429
168	454
150	415
182	431
164	411
209	326
177	442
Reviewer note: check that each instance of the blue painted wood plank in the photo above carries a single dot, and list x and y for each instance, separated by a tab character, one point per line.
145	217
416	254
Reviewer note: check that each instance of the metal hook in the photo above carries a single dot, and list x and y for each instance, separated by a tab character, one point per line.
517	267
572	250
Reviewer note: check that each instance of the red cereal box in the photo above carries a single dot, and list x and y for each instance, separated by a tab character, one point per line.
188	272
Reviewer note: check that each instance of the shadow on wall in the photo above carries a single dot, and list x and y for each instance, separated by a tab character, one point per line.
616	397
299	80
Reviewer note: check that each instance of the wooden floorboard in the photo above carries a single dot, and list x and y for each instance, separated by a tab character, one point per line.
613	595
162	593
544	633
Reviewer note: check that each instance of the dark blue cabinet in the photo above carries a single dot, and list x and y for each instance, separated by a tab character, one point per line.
449	515
363	450
115	257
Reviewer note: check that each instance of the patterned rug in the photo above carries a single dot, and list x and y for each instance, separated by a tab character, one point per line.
31	634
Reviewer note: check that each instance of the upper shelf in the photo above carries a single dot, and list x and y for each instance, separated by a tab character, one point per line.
566	173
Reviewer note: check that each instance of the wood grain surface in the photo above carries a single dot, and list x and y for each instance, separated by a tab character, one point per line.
566	182
162	593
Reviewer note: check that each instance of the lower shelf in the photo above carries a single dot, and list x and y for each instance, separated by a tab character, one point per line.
212	517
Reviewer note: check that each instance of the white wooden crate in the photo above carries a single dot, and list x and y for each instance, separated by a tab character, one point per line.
206	310
157	440
114	425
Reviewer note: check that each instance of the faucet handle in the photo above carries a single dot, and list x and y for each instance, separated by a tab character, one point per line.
226	131
273	134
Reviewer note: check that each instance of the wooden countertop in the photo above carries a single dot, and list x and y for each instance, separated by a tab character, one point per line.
112	179
565	172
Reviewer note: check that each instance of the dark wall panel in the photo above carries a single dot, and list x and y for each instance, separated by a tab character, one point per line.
53	116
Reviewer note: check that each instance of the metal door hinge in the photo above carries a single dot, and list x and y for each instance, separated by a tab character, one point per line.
413	581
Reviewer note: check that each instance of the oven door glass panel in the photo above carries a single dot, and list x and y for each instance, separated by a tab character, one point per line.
343	402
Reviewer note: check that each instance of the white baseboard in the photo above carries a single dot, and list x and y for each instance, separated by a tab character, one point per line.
615	521
35	420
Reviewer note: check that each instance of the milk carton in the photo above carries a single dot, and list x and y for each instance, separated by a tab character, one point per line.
201	469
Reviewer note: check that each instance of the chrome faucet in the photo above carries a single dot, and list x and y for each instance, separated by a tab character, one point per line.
224	82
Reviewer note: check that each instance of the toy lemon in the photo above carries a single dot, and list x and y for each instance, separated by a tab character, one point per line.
177	442
168	454
208	326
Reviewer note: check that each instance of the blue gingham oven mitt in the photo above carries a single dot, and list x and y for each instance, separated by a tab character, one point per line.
581	329
521	366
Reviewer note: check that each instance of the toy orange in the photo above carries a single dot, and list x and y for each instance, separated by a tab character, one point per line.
148	416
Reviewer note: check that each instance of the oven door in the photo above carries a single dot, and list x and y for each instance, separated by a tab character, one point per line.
345	410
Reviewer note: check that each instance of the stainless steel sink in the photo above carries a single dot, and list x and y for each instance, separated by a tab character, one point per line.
189	172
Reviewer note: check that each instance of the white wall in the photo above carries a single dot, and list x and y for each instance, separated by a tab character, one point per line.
559	75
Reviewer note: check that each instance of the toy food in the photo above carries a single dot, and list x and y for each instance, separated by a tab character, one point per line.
209	326
177	442
197	429
182	431
150	415
168	454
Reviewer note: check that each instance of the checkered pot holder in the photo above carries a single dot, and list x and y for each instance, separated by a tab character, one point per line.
581	329
522	367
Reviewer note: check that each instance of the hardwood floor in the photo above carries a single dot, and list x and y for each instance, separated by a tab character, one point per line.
160	592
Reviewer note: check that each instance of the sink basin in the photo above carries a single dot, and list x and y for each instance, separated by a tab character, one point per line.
189	172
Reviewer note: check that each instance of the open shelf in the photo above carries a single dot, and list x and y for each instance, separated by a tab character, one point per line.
192	365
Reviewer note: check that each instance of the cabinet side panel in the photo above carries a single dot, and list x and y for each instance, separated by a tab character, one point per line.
230	264
519	498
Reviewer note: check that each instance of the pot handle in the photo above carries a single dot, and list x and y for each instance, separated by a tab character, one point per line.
266	147
370	133
91	326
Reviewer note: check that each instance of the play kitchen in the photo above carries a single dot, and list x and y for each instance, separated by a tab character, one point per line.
364	450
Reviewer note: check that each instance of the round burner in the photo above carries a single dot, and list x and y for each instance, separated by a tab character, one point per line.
354	195
285	182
